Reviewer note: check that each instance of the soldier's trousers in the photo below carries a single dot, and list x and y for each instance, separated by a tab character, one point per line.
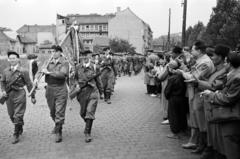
16	105
108	81
88	99
57	101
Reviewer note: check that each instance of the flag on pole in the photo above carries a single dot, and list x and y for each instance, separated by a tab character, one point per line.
72	45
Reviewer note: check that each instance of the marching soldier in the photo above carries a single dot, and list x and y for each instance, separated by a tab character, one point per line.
96	61
108	75
13	80
56	91
89	83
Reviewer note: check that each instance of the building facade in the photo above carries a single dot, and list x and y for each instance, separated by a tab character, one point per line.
122	24
42	35
128	26
25	45
89	27
6	43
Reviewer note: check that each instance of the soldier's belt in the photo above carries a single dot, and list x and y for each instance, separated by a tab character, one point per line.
17	88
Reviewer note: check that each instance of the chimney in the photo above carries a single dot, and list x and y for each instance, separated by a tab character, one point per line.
118	9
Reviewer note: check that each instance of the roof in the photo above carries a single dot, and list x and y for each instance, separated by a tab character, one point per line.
45	46
101	41
12	34
37	28
90	18
146	24
4	37
157	42
26	40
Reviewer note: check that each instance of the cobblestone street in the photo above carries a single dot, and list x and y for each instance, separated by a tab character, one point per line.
129	128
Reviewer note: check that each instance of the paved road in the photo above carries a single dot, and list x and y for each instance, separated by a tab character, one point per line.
129	128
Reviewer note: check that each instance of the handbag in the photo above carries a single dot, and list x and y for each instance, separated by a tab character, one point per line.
218	113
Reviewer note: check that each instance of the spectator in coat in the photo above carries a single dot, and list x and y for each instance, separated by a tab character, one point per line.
177	101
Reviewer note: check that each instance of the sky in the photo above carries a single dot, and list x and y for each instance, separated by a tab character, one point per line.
16	13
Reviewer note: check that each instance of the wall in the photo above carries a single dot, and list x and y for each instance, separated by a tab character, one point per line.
129	27
43	36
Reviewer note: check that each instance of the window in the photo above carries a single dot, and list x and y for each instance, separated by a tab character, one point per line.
96	27
91	27
83	27
87	27
104	27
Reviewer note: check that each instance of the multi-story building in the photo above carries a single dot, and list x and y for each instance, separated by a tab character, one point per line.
127	25
44	36
122	24
6	42
89	26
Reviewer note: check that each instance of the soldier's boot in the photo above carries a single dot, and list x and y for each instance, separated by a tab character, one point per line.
16	134
54	130
105	96
20	129
58	137
108	94
87	131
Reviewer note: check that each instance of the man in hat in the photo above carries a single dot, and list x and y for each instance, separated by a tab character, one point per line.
108	75
13	80
56	75
90	86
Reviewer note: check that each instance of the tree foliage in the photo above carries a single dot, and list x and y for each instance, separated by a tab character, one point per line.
223	26
120	45
194	33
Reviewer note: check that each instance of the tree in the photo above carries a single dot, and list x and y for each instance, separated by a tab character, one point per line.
194	33
224	24
120	45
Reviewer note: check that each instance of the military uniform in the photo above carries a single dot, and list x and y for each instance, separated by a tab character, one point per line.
16	101
88	95
107	77
57	92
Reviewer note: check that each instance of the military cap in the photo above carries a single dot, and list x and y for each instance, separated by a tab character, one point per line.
13	53
57	48
106	48
86	52
32	56
150	50
95	54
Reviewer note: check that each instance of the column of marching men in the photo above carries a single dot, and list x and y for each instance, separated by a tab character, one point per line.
199	90
93	78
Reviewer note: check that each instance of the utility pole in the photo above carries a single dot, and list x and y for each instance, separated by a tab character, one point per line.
169	26
184	23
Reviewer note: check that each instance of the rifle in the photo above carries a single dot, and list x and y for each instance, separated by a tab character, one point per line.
40	75
75	90
8	89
